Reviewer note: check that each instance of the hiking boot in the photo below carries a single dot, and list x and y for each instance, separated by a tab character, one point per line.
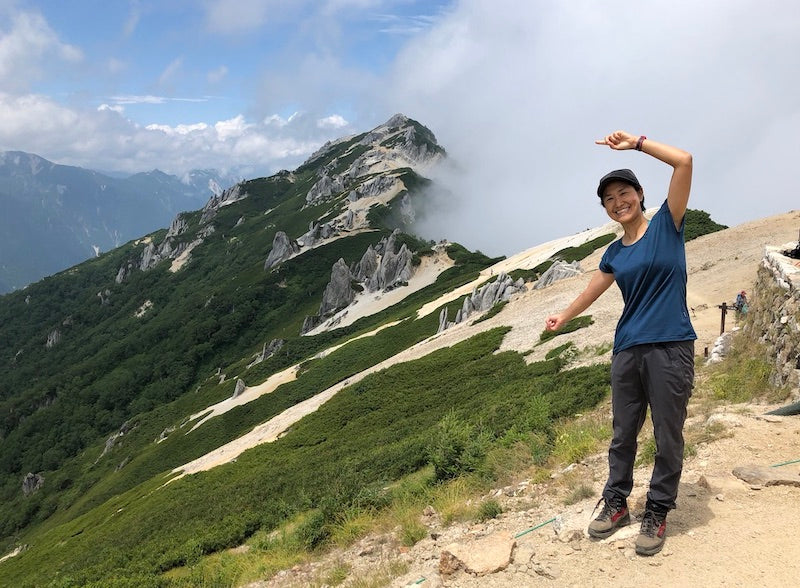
653	533
613	516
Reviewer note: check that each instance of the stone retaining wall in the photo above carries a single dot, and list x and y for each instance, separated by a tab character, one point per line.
774	316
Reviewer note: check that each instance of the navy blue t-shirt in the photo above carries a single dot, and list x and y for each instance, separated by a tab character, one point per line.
651	274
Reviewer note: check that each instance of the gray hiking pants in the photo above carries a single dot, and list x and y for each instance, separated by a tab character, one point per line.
660	375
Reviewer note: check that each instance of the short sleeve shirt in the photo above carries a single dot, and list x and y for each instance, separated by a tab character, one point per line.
651	274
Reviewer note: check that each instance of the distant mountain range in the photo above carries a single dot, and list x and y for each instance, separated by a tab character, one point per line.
55	216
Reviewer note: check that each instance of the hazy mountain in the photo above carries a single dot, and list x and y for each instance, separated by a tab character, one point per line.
55	216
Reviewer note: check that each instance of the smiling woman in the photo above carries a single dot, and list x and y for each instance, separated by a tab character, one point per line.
653	362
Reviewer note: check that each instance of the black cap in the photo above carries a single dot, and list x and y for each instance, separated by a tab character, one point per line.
618	175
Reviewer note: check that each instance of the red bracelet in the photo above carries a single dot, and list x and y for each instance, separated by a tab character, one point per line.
639	143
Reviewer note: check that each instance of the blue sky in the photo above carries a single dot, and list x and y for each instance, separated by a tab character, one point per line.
516	92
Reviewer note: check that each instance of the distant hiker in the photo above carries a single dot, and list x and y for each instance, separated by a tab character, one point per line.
741	302
653	358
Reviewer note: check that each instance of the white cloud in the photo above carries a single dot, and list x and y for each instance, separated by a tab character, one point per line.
178	129
215	76
170	71
28	49
103	138
133	99
231	128
275	120
115	108
517	92
238	16
115	66
335	121
133	19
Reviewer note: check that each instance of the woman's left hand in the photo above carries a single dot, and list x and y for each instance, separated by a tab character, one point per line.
619	140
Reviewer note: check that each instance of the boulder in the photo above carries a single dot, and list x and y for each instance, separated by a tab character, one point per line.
240	387
765	476
480	557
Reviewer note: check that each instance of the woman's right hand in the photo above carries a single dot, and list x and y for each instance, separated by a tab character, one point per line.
554	322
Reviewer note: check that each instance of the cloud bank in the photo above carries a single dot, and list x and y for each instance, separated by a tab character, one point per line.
517	93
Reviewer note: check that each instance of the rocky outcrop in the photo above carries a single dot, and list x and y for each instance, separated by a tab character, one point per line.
282	249
325	187
367	266
267	351
105	297
339	292
383	267
317	232
154	254
31	483
774	315
112	441
558	271
386	266
240	387
217	201
178	226
53	339
483	298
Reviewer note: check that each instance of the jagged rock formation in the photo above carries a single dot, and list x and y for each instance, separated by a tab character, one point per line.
169	248
112	441
178	226
53	338
282	249
217	201
483	298
240	387
339	291
558	271
31	483
105	296
382	267
267	351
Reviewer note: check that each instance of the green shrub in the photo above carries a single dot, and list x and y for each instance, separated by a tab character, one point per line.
489	509
491	312
579	322
313	531
458	447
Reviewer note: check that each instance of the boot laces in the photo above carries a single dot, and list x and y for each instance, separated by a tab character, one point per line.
651	523
610	506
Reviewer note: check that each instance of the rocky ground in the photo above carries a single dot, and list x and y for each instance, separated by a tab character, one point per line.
726	531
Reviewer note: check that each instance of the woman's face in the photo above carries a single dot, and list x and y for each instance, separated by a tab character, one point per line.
622	202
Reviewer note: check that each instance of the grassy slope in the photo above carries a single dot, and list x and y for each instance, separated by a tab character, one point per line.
372	432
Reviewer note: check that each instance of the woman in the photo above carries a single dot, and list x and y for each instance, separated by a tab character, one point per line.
653	358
